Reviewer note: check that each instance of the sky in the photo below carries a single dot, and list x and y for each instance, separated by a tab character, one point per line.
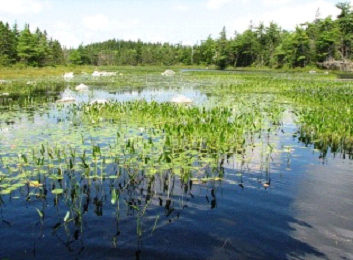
75	22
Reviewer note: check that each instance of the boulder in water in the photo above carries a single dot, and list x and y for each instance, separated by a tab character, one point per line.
81	87
180	99
68	75
168	73
96	74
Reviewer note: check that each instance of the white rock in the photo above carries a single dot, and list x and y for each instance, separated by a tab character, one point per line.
66	100
168	73
96	74
81	87
326	73
180	99
312	72
68	75
3	81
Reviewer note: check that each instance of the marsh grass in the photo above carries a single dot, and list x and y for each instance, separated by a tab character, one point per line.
136	153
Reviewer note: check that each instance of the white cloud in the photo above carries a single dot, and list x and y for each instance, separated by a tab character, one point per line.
4	20
101	22
64	33
180	7
215	4
66	38
23	6
61	25
287	17
97	22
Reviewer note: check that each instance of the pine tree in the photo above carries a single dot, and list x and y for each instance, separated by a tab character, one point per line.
345	22
26	47
7	45
222	50
57	52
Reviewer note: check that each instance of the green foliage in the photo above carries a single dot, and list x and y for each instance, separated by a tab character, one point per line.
312	42
26	47
30	49
75	57
8	43
222	50
261	45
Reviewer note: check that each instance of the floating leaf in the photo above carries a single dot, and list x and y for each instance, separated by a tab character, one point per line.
18	185
4	192
57	191
35	184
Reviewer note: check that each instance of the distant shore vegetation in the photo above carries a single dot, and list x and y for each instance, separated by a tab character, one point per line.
322	42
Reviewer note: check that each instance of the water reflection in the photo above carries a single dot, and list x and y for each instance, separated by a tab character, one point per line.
158	95
323	200
125	212
253	203
152	216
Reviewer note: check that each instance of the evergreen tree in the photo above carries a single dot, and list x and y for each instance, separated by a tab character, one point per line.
345	23
222	50
26	48
309	44
57	52
7	45
75	57
208	50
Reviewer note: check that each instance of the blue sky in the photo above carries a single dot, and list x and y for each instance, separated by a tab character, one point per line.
84	21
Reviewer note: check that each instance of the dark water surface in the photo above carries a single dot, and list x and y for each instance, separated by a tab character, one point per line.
299	208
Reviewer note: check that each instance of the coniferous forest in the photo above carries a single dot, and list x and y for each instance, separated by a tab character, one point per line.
311	43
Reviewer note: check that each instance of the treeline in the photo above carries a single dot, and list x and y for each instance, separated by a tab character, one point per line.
321	40
259	45
33	49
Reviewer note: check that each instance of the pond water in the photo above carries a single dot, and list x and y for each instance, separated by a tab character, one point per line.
289	203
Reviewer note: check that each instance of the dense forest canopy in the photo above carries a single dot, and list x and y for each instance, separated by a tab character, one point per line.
311	43
34	49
